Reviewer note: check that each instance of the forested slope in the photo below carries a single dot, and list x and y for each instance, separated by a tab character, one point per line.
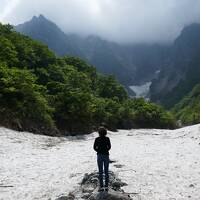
46	94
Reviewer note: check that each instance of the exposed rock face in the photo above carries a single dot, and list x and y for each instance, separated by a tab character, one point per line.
89	189
181	71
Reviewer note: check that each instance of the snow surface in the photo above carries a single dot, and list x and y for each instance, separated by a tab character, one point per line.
157	164
141	90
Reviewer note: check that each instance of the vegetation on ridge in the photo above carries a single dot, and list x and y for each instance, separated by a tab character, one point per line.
187	110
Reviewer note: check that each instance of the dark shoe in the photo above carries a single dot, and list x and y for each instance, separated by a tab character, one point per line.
106	189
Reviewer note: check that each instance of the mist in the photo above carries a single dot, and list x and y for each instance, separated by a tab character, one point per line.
123	21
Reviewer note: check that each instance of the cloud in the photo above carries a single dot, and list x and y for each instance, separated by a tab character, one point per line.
117	20
7	6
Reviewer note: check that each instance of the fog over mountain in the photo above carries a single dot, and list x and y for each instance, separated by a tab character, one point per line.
124	21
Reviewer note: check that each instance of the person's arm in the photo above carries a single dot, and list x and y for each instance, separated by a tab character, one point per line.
95	146
109	144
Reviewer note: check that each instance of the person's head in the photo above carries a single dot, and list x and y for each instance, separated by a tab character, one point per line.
102	131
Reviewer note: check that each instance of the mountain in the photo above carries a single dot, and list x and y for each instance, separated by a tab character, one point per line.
51	34
131	64
181	72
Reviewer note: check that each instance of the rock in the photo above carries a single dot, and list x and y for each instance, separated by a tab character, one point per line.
70	196
119	166
110	195
86	196
191	185
88	189
62	198
89	179
117	184
89	185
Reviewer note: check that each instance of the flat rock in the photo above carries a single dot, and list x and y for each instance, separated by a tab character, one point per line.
110	195
68	197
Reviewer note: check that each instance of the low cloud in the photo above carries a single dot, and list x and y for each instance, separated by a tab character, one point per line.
118	20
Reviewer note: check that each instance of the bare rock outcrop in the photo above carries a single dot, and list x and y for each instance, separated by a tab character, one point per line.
88	189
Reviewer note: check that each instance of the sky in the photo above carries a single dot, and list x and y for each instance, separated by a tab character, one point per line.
124	21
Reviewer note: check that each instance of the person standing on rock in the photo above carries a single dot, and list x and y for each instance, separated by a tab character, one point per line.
102	146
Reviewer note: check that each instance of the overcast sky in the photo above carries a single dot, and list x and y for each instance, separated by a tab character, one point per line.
118	20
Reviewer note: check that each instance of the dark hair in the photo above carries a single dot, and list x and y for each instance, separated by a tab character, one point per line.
102	131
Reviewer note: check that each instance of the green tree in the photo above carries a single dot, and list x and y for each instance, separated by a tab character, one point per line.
23	97
108	87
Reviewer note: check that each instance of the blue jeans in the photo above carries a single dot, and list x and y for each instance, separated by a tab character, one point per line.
103	165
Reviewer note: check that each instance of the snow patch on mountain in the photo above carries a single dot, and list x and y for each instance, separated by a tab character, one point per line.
141	90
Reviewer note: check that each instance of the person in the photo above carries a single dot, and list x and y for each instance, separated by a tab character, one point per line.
102	146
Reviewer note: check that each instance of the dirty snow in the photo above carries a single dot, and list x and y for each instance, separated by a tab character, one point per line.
157	164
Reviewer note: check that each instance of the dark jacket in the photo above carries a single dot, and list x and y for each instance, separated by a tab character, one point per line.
102	145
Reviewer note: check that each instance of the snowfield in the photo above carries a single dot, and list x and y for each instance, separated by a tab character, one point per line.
157	164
